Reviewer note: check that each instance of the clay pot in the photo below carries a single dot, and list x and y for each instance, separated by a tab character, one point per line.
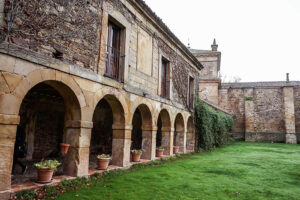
64	148
159	152
136	157
175	149
45	174
103	163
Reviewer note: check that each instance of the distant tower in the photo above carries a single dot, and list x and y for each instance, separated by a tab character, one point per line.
214	46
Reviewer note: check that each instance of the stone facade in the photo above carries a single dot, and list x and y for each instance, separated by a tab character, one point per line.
73	83
264	111
210	81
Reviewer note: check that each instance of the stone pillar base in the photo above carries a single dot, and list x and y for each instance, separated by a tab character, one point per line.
167	141
5	194
148	144
121	145
291	139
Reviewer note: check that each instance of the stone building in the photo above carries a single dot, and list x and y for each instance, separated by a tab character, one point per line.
209	81
108	76
264	111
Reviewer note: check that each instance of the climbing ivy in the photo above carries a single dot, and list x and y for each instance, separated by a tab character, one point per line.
212	126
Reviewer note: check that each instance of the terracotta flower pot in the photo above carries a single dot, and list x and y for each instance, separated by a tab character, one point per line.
136	157
103	163
64	148
175	149
159	152
45	174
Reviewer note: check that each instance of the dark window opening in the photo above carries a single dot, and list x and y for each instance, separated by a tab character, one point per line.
137	134
165	78
114	57
191	95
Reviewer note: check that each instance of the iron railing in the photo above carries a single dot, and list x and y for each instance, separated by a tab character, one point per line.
114	64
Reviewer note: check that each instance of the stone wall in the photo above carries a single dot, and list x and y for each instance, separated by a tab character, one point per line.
264	111
297	108
57	29
24	63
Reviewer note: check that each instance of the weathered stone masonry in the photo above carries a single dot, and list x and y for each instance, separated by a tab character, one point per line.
264	111
69	75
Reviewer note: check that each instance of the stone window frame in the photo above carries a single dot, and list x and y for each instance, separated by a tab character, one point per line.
164	56
118	18
141	26
190	75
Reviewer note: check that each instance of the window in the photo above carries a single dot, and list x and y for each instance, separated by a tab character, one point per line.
191	92
114	58
165	78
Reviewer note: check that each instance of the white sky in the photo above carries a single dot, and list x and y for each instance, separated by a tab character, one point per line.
259	39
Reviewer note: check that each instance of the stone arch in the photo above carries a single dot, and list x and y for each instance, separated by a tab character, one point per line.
50	114
164	137
116	100
120	136
53	78
190	135
10	105
142	131
179	132
143	105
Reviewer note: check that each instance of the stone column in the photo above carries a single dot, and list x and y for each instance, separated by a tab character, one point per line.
78	135
167	135
182	141
121	145
149	143
249	115
289	115
8	130
190	142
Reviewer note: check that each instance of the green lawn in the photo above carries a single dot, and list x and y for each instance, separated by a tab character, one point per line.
238	171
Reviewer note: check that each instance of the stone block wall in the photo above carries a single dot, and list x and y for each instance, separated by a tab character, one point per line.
75	69
265	112
57	29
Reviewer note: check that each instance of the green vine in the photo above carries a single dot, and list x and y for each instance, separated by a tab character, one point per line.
212	126
248	98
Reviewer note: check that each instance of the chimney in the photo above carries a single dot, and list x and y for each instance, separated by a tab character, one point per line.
214	46
287	77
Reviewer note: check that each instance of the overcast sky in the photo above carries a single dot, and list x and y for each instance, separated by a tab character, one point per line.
259	39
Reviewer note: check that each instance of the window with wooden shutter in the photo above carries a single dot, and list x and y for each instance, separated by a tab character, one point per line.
114	58
165	78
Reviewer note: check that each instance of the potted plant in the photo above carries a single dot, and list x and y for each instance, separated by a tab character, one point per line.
159	151
103	161
176	149
136	155
45	170
64	148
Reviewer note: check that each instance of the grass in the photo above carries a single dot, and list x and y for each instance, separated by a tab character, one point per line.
238	171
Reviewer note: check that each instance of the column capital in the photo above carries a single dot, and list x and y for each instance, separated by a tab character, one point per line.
79	124
167	129
149	128
9	119
121	127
